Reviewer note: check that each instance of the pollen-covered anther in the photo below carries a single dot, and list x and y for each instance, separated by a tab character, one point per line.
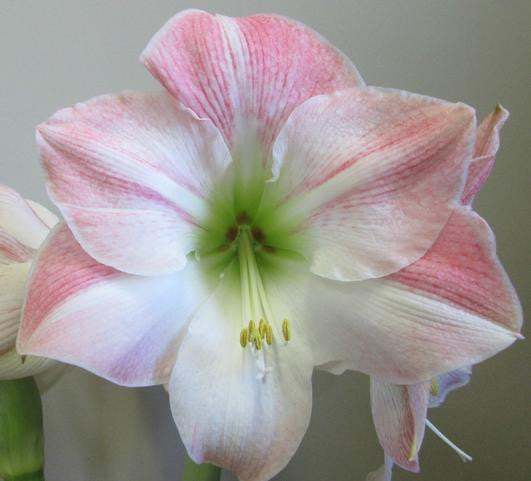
286	330
434	388
244	337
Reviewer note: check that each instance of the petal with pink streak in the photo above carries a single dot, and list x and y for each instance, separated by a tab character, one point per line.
399	414
135	167
247	71
123	327
487	144
373	175
405	329
462	270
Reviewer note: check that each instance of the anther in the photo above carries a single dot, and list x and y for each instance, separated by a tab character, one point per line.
286	330
244	337
232	233
243	218
262	328
269	334
434	388
258	343
252	327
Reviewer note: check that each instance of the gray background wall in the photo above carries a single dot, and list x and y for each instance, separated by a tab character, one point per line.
56	52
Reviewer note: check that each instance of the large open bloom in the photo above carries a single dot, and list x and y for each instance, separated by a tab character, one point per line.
24	225
267	213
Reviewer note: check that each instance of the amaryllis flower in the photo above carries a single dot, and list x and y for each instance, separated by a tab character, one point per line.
399	411
254	221
23	227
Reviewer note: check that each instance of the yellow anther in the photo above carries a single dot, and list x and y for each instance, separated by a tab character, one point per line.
244	337
286	330
257	343
252	327
262	328
269	335
434	388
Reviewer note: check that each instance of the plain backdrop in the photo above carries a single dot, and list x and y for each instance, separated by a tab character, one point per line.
57	52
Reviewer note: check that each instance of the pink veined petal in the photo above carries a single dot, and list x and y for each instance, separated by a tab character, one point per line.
399	414
123	327
487	144
247	71
375	175
462	270
22	226
132	174
398	332
235	408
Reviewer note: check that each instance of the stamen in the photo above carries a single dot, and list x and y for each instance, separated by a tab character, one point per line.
252	327
269	335
257	343
464	456
434	388
286	330
244	337
262	329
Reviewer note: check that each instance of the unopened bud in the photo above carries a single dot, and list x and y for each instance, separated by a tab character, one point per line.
21	435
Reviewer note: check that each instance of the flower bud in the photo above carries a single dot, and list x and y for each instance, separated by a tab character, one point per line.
21	434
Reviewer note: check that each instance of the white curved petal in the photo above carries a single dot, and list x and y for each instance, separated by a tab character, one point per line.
123	327
19	220
230	409
12	281
381	328
14	366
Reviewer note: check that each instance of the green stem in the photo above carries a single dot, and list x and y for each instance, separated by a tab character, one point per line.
37	476
21	434
200	472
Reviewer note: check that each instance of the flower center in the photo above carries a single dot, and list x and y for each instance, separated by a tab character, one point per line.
258	320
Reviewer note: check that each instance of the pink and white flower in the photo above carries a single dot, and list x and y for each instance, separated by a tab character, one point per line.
266	214
464	253
23	227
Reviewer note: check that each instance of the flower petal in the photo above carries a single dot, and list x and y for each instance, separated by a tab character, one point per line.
462	270
398	332
448	382
229	409
245	71
131	174
487	144
23	222
384	473
399	414
375	175
13	366
12	281
122	327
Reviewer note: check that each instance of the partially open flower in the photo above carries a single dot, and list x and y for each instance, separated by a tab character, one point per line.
255	220
23	227
465	254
